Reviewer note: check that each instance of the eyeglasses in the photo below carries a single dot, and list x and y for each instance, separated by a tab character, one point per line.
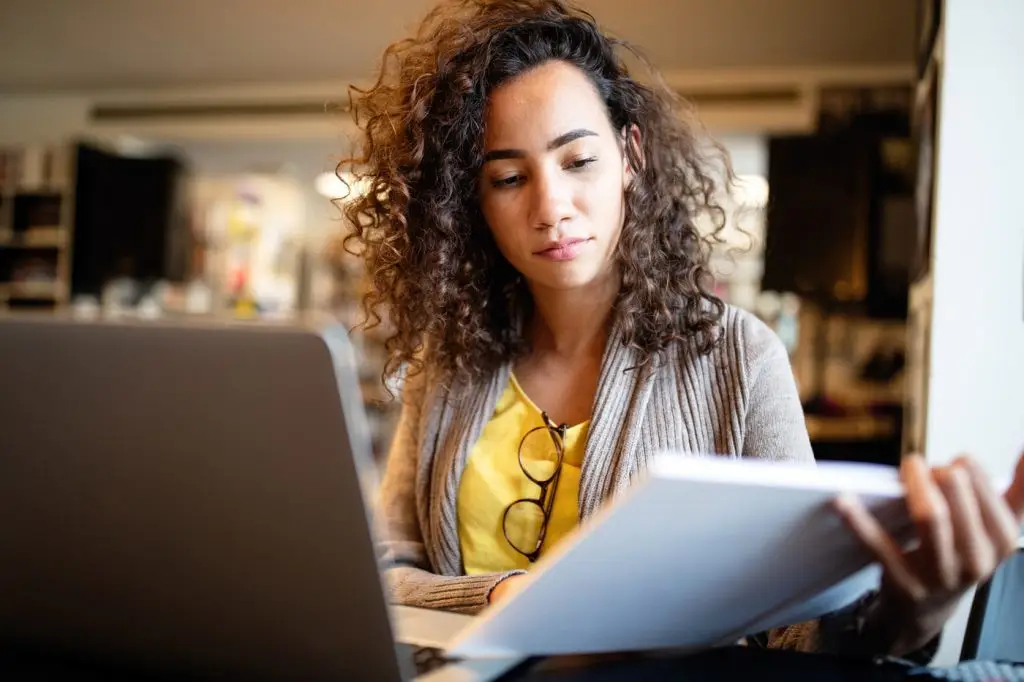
529	513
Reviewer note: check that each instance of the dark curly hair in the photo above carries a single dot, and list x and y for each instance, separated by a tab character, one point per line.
451	298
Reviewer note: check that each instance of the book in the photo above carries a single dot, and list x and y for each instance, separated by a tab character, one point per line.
700	552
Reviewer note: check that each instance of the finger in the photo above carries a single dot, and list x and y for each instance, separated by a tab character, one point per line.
930	514
996	514
976	552
1015	494
874	537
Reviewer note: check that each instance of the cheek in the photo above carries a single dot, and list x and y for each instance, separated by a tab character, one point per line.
607	206
502	221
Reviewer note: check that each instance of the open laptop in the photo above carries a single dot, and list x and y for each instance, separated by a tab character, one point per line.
188	499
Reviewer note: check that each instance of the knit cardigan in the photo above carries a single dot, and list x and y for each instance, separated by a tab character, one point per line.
739	400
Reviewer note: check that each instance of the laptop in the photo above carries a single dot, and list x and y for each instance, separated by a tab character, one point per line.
191	499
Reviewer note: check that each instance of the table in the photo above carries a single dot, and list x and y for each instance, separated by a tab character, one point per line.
733	663
730	664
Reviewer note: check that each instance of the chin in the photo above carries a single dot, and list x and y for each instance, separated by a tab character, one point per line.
569	278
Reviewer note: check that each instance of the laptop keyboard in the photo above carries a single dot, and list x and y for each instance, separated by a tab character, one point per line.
974	671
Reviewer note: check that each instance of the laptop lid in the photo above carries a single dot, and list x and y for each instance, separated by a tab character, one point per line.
186	498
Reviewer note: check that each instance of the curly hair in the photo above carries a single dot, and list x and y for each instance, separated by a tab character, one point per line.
451	298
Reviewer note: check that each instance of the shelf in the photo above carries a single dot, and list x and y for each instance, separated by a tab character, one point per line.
34	238
47	190
852	427
36	213
37	185
31	291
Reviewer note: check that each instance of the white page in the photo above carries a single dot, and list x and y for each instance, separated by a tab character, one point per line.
427	627
700	551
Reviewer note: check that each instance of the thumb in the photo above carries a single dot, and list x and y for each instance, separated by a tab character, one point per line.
1015	493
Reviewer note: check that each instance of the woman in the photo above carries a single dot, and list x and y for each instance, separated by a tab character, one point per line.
531	230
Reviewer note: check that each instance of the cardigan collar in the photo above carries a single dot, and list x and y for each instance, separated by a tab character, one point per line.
452	427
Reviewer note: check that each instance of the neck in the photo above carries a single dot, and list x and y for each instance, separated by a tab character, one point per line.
572	322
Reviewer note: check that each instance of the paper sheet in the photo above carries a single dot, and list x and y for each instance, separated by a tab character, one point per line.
700	551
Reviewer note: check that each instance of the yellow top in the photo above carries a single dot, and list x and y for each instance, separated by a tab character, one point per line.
493	479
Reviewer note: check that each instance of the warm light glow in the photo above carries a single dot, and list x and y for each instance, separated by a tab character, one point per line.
328	184
752	190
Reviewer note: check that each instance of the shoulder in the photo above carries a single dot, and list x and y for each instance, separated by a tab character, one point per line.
749	343
747	346
748	354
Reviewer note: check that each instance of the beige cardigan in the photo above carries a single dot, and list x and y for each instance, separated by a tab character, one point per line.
739	401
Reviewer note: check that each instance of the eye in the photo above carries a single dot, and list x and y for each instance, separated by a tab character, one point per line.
579	164
507	181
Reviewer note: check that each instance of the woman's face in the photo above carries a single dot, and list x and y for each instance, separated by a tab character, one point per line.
553	178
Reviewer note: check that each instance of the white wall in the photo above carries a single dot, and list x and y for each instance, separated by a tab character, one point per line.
749	153
977	354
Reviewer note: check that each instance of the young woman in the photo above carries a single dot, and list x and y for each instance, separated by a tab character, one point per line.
531	232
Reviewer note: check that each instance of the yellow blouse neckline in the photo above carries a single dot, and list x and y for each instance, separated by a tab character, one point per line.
533	406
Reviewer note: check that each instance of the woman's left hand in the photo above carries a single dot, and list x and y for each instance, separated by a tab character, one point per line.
965	530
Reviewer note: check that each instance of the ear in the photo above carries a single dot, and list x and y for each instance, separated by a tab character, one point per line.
630	137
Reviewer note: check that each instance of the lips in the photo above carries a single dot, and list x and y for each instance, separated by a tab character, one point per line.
563	250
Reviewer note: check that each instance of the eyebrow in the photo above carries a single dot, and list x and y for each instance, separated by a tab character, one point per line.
560	141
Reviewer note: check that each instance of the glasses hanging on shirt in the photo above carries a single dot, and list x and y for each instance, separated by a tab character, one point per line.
525	521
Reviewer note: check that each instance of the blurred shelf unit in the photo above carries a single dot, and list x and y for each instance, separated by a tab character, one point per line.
36	226
927	92
75	216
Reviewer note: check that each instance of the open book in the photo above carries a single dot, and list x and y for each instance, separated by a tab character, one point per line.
700	552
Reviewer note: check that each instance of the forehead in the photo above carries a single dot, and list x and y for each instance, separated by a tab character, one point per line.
540	104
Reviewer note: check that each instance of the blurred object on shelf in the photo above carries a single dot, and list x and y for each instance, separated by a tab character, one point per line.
86	307
787	325
768	306
781	312
251	226
119	298
824	406
884	365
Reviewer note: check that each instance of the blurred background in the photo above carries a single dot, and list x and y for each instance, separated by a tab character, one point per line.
162	159
166	160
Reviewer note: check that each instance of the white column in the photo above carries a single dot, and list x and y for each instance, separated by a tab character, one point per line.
975	386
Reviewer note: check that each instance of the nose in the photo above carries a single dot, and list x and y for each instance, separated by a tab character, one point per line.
551	201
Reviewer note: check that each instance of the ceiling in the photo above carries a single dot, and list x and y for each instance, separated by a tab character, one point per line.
51	45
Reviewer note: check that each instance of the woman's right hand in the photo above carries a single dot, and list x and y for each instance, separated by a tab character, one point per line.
506	588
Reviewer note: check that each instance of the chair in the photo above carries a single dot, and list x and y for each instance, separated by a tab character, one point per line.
995	627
